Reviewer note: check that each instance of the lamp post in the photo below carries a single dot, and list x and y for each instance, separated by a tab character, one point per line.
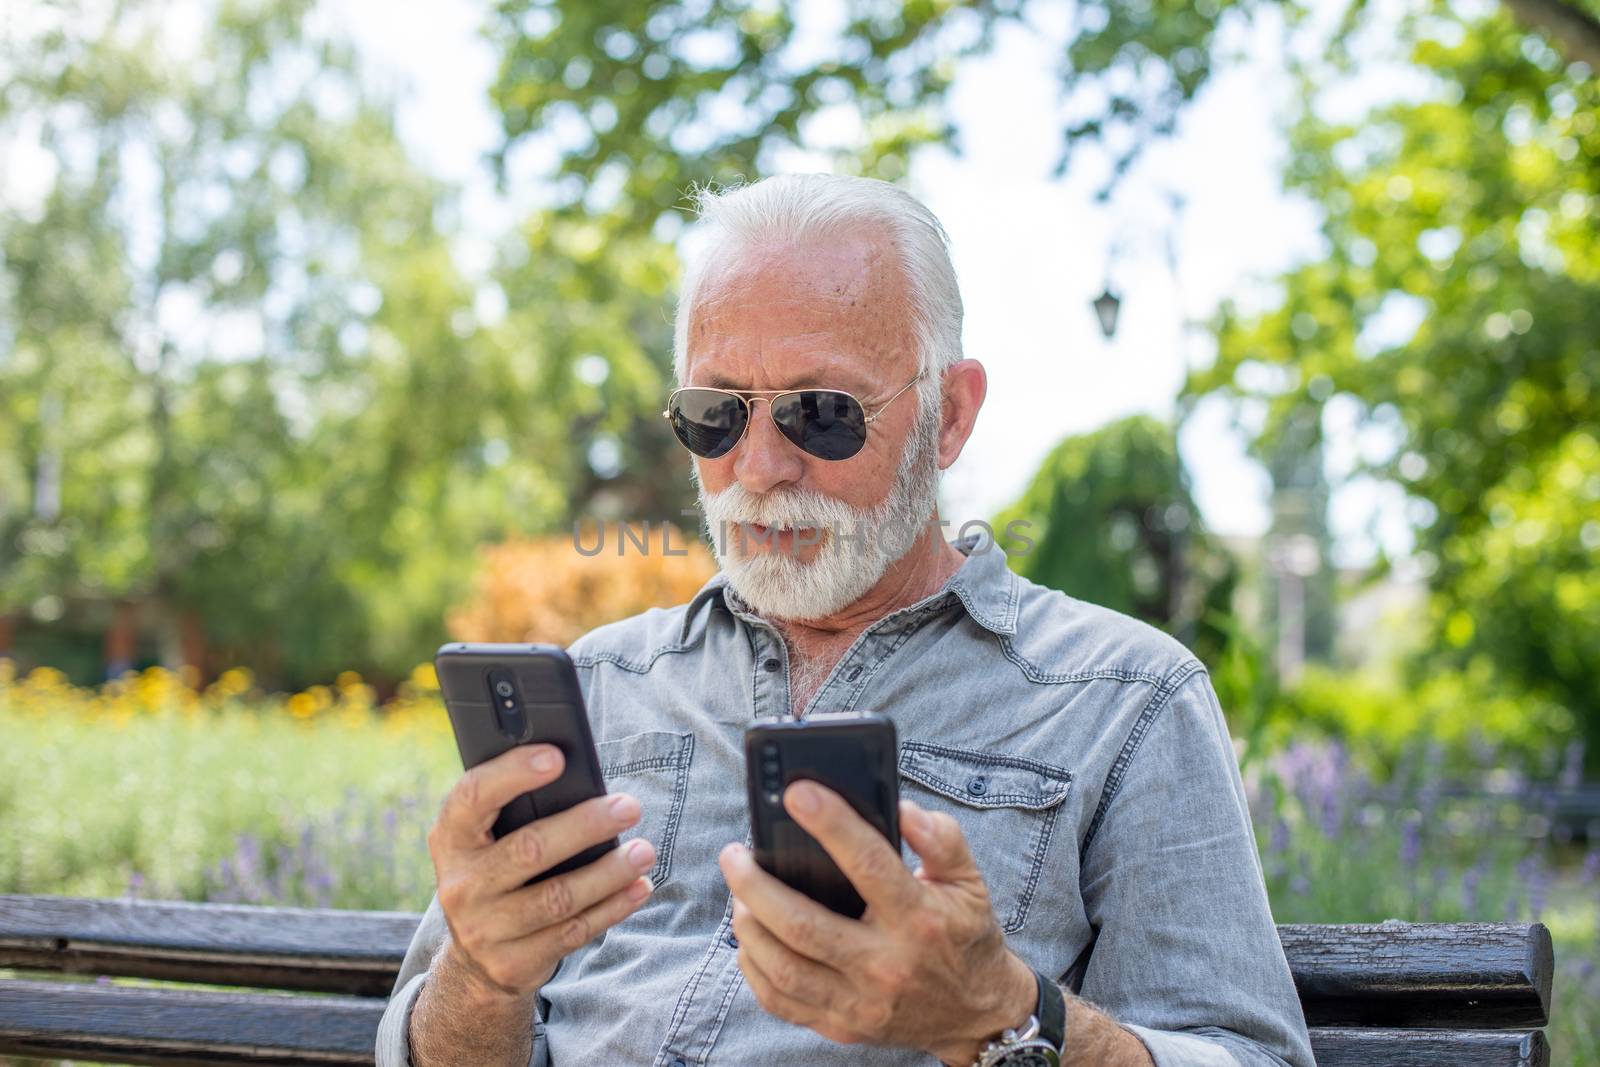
1105	309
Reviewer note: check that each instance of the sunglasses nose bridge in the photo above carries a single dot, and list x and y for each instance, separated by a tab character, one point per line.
750	419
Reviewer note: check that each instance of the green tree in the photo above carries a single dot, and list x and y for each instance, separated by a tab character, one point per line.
640	98
240	380
1456	313
1112	522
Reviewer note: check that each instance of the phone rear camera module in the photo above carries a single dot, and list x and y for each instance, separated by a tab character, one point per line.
507	704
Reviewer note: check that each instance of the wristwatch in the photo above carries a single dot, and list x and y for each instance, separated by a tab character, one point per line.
1040	1041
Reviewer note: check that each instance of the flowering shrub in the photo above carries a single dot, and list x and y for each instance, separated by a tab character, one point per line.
546	590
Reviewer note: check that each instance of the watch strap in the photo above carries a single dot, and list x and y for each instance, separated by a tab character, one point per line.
1051	1012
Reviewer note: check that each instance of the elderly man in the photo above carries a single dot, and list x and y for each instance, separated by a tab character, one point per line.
1082	872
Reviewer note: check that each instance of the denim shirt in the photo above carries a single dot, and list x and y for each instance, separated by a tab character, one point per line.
1083	753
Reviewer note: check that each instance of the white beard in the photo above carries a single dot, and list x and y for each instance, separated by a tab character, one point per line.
778	585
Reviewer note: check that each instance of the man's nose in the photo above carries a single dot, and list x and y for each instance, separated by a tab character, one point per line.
765	458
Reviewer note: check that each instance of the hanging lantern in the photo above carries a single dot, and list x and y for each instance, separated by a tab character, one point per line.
1105	308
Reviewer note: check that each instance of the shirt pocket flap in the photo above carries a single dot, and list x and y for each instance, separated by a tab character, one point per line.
652	750
985	780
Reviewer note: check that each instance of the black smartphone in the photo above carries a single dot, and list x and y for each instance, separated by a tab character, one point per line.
855	755
499	696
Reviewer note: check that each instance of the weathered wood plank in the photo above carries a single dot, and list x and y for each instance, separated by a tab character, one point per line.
1363	1047
311	949
73	1020
1476	975
185	1028
1481	976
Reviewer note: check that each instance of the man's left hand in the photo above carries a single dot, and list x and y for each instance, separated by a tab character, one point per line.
925	967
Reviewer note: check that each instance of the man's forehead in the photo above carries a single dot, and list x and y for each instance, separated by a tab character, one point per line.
799	316
848	375
760	352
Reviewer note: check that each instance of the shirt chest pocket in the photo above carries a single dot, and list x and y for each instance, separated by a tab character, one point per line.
1007	807
654	767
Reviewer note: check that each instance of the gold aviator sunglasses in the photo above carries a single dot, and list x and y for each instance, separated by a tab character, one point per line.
826	423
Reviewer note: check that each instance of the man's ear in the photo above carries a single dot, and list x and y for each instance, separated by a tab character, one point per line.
963	387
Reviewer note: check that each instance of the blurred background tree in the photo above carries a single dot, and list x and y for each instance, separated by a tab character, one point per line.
200	352
244	390
1113	523
1455	315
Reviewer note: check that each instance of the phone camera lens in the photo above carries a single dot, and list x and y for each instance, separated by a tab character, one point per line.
503	688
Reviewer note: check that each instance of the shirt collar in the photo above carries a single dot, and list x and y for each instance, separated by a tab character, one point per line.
984	584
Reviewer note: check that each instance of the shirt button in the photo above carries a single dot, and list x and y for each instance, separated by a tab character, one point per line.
679	1063
978	786
733	942
772	664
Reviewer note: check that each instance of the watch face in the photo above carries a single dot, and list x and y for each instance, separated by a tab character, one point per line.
1029	1054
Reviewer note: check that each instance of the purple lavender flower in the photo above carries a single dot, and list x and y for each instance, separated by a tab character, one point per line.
1538	890
1572	768
1280	836
1411	841
1469	889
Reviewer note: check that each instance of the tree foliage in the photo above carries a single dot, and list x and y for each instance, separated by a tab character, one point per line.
240	379
1113	523
638	101
1456	316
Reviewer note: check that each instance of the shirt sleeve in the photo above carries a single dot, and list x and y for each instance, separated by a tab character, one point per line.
1186	955
394	1028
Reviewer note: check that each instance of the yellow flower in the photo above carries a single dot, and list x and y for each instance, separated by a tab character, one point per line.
423	676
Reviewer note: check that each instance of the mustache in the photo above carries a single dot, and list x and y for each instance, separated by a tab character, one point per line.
784	512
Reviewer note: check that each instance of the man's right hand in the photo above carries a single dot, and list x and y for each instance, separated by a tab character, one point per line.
507	939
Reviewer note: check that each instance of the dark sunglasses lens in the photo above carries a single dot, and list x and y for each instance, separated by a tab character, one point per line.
823	422
708	423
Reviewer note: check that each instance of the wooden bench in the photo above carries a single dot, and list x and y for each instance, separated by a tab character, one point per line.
1430	994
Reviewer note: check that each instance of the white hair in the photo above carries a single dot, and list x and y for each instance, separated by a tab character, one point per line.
788	207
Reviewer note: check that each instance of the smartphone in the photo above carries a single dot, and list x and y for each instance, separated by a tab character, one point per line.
855	755
499	696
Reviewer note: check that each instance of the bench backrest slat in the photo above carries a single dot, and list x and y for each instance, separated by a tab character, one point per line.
1483	976
115	1024
1475	975
1360	1047
319	950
